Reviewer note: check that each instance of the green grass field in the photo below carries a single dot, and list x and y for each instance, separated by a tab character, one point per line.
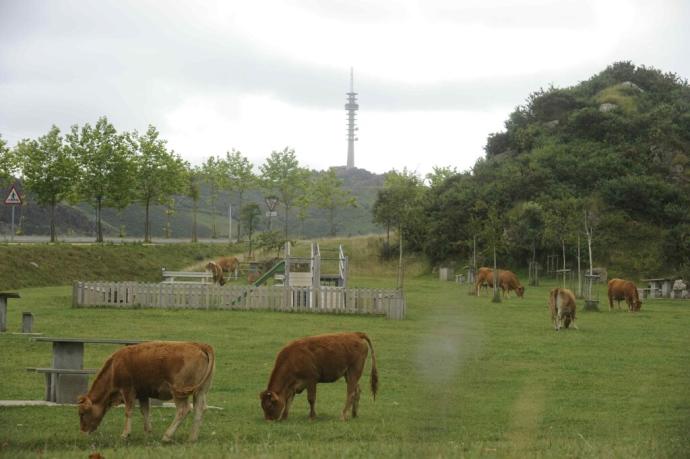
461	377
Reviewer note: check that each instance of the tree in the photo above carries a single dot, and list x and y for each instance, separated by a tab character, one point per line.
439	175
403	193
214	175
560	219
327	193
7	162
193	178
240	178
48	170
159	173
282	175
250	214
105	166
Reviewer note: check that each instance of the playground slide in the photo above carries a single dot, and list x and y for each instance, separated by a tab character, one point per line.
265	276
261	280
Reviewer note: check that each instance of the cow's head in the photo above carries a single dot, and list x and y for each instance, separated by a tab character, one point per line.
637	305
520	291
90	414
272	405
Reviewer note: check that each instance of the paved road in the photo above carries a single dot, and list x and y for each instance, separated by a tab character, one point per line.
4	238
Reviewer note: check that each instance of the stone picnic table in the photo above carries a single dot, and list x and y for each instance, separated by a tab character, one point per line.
660	287
3	308
67	378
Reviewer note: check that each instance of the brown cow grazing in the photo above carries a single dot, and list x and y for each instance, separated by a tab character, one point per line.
508	281
217	271
620	289
562	307
304	362
160	369
229	264
484	276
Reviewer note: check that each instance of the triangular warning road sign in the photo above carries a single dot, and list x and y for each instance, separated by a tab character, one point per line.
13	197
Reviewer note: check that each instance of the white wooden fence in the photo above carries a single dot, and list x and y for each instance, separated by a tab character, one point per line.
388	302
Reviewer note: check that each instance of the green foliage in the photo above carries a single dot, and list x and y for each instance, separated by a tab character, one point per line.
561	154
7	162
49	170
326	193
105	165
282	176
240	179
159	173
270	241
249	215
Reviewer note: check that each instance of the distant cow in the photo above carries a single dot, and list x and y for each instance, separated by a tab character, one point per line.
303	363
620	289
562	307
217	271
159	369
229	265
484	276
508	282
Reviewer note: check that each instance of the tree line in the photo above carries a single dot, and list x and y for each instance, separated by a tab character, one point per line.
110	169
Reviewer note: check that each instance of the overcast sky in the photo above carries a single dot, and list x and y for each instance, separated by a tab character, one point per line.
434	77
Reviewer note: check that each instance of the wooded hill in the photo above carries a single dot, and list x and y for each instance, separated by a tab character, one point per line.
616	146
78	220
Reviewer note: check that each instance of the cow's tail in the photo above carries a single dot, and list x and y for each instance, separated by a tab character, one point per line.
208	374
374	380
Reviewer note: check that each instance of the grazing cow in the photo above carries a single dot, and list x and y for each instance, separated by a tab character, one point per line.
484	276
303	363
229	265
508	281
562	307
217	271
620	289
160	369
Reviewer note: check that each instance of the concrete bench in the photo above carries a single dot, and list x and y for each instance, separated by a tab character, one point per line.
65	377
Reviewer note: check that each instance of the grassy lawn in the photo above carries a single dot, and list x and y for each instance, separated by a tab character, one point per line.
461	377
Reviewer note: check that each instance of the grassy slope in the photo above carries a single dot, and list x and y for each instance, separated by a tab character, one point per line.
460	377
62	264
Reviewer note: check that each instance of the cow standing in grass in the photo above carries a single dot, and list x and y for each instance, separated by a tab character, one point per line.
484	276
229	265
508	282
303	363
621	289
562	307
156	369
217	271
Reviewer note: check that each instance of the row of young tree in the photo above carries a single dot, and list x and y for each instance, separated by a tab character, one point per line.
106	168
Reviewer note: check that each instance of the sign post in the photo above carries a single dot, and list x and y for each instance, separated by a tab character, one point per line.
271	203
13	199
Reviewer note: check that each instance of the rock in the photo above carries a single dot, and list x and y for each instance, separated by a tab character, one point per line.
631	85
551	124
607	107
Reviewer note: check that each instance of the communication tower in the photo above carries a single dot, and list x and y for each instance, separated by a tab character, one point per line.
351	108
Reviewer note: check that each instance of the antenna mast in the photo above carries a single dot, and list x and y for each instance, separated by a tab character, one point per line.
351	108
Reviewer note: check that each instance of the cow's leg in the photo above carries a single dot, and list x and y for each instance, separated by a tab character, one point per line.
286	410
199	407
145	406
183	408
129	406
352	377
355	402
311	397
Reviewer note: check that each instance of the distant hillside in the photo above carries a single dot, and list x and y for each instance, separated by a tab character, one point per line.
32	219
617	145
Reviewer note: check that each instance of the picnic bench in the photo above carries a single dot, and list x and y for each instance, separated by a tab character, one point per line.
171	277
67	378
3	308
659	287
